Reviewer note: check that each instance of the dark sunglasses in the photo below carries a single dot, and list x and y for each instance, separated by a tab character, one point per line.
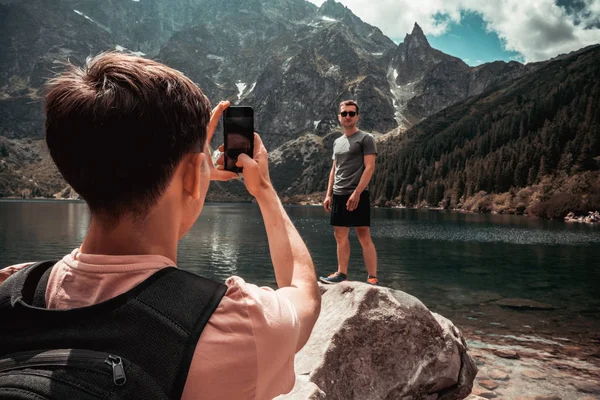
350	113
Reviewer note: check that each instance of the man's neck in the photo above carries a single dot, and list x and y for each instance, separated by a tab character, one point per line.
351	131
130	237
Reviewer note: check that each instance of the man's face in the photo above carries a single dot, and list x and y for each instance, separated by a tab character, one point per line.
348	116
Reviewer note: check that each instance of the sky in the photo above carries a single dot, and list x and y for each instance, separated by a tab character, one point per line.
480	31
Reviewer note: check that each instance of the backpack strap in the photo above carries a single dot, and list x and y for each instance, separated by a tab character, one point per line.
39	296
28	284
156	324
196	300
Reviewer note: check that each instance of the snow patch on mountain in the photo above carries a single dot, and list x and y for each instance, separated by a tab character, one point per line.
92	21
401	94
241	87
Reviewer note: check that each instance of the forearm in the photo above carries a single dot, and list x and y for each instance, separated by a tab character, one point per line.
291	259
330	183
365	179
292	264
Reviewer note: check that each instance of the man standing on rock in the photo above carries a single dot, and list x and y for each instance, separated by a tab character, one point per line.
347	193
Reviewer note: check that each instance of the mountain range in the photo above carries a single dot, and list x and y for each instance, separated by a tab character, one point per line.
292	61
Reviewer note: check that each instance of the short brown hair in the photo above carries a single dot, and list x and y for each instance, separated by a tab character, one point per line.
117	129
348	103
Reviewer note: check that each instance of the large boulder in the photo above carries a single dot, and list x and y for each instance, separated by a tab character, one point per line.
377	343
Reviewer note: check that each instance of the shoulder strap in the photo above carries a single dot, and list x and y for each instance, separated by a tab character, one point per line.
39	297
197	299
157	324
26	284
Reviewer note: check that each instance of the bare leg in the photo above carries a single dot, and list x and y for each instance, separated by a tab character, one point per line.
343	247
368	248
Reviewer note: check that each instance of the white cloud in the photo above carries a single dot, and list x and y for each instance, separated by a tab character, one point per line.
593	6
537	29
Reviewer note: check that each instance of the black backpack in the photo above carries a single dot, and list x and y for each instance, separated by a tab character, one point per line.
138	345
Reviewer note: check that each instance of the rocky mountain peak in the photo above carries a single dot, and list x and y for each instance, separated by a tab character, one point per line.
416	39
332	8
366	37
414	56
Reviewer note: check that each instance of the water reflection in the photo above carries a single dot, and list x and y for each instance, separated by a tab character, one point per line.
227	240
458	264
40	230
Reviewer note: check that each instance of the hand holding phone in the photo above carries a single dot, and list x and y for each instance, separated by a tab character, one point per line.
256	170
238	133
217	173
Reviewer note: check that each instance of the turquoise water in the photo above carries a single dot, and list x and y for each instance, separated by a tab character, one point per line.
457	264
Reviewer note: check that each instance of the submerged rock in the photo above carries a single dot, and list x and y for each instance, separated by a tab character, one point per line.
375	343
510	354
524	304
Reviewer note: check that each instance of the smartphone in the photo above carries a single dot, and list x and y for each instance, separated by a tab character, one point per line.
238	133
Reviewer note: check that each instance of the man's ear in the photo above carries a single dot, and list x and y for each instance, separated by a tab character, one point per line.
192	174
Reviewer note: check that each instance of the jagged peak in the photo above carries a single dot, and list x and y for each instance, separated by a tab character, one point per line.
333	9
416	37
417	30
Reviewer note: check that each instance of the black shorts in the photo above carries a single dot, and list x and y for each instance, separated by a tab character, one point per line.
361	216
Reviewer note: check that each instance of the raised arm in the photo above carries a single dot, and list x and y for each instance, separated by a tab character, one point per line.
292	263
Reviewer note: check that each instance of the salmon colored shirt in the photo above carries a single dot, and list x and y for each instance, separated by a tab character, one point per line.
246	350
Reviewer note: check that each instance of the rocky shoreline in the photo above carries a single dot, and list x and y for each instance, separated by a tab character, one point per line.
529	350
316	199
591	218
533	368
384	343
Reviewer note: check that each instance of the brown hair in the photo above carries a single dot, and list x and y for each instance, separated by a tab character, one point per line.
349	103
117	129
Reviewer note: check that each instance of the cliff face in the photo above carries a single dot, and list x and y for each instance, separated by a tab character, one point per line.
428	80
288	59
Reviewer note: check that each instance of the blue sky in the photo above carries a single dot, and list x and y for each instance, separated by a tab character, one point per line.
470	41
480	31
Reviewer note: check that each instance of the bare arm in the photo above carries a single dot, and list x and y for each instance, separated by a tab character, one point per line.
292	263
367	174
327	201
331	179
294	269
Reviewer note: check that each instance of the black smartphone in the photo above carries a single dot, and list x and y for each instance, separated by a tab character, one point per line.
238	133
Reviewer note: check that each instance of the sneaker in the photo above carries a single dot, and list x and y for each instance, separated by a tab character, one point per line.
336	277
372	280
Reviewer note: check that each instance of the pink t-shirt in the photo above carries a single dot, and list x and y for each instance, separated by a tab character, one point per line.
246	350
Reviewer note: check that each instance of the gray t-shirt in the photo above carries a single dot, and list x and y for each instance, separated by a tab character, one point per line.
348	153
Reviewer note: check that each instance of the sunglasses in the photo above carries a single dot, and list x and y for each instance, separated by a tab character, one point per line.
350	113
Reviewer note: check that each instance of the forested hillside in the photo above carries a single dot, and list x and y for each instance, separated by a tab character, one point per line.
532	145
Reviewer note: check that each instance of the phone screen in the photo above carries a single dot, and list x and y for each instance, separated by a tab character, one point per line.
238	131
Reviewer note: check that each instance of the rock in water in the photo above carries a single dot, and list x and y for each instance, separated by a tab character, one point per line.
377	343
524	304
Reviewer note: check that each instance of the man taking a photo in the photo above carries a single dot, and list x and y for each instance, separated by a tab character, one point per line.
131	136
